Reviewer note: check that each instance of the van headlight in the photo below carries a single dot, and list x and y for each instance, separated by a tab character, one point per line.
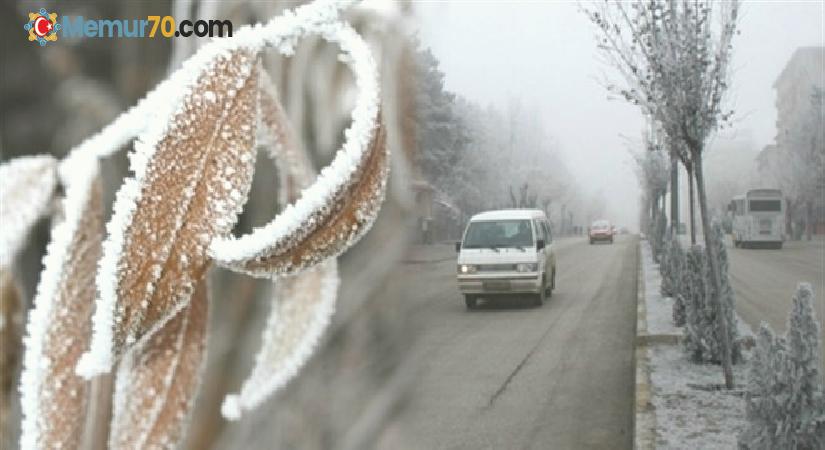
467	268
526	267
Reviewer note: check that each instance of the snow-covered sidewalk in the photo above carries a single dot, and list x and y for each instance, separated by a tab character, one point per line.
682	410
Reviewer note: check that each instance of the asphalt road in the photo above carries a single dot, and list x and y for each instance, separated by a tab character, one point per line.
512	376
764	281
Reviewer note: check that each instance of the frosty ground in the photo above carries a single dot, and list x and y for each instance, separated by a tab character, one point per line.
688	412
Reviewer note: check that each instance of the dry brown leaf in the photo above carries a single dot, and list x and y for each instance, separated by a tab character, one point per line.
341	204
333	228
54	398
157	380
190	186
302	304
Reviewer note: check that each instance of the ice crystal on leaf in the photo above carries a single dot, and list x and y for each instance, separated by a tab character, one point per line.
53	397
302	306
341	204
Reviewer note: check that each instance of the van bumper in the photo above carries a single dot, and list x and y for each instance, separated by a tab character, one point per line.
522	283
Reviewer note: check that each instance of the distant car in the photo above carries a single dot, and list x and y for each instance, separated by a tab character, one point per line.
601	230
504	253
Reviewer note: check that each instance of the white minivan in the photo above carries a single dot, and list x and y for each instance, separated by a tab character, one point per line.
506	252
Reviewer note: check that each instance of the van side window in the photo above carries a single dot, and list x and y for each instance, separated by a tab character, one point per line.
547	231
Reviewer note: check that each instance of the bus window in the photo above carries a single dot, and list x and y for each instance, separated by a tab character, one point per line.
765	205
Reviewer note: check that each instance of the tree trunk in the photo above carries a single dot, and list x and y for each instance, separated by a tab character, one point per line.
716	282
692	205
809	219
674	196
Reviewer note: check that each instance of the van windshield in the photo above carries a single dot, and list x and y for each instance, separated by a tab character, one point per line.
498	234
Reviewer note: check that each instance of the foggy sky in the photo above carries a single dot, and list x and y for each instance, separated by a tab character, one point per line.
544	54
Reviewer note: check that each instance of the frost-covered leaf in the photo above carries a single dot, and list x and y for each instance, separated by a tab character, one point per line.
302	304
157	380
326	222
26	187
301	309
54	398
341	204
192	175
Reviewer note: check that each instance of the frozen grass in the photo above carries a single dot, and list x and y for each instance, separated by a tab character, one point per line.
688	417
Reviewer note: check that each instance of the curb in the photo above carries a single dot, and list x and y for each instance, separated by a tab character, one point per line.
644	419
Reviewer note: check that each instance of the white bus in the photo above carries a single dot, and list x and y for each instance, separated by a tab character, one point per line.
758	218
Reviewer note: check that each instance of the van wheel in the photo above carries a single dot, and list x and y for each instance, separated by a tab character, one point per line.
470	301
552	283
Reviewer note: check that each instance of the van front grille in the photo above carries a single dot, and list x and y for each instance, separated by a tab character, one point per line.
496	267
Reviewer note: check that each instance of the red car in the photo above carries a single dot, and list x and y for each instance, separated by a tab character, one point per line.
601	230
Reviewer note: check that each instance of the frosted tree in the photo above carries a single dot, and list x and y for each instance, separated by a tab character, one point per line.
761	408
706	329
805	405
725	327
805	162
784	401
673	57
652	171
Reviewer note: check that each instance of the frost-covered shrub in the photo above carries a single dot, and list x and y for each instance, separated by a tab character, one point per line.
657	239
657	227
672	266
663	256
761	406
703	336
785	406
675	280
